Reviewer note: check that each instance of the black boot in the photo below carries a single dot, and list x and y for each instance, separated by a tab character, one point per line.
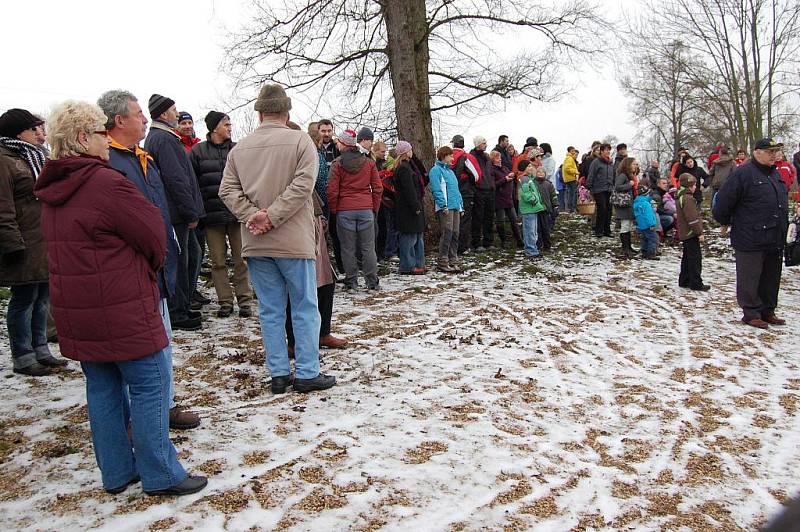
625	239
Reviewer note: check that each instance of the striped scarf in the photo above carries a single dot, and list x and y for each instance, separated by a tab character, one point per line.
33	155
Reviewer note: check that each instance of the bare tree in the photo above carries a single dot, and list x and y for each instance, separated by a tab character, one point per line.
392	64
663	95
747	53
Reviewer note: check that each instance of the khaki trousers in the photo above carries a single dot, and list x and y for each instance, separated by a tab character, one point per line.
217	251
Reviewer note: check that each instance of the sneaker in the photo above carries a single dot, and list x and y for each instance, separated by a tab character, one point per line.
180	419
224	311
120	489
189	324
320	382
245	312
192	484
34	370
278	385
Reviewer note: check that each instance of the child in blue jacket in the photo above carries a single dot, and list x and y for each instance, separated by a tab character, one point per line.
646	221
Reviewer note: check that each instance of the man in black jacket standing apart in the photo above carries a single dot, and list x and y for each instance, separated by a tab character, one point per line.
183	198
754	202
222	228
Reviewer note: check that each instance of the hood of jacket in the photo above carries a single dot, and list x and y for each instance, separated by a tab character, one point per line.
724	159
61	178
352	161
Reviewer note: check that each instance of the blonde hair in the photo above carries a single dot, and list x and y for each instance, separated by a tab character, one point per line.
67	121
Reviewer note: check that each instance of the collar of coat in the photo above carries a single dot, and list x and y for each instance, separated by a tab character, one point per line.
158	124
139	153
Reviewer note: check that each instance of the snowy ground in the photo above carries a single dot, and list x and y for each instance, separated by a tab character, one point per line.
577	392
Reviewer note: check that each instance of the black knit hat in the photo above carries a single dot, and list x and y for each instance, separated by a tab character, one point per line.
458	141
531	141
15	121
213	118
158	104
365	133
184	115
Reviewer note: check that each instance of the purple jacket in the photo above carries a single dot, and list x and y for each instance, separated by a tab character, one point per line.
504	190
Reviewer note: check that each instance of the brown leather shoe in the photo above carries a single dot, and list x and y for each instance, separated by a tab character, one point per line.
772	319
180	419
332	342
756	322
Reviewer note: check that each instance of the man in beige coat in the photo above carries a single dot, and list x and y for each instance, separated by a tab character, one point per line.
267	184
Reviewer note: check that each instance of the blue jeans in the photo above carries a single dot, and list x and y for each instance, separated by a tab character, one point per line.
412	251
571	196
649	241
164	309
530	223
27	322
666	221
392	236
147	412
273	280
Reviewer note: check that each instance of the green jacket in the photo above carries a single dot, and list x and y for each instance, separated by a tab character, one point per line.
530	201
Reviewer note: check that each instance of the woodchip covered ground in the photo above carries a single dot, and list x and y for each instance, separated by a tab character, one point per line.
577	392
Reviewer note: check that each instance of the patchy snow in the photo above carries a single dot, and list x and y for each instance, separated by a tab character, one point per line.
577	391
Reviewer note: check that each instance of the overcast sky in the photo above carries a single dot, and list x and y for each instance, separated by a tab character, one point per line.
56	50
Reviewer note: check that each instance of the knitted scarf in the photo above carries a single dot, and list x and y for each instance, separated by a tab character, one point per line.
33	155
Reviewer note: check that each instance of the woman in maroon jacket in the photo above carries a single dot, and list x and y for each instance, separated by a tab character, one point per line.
105	243
504	184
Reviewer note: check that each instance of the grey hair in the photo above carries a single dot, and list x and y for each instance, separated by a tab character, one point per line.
114	103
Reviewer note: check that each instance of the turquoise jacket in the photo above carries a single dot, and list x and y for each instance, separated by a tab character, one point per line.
444	188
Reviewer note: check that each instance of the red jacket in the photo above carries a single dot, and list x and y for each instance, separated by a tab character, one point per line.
188	141
354	184
105	242
787	172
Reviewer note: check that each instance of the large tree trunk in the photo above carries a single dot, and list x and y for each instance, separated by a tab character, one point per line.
407	47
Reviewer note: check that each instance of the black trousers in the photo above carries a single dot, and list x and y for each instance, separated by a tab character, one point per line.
179	302
483	219
544	242
381	231
691	275
509	215
325	304
465	234
602	219
758	280
335	245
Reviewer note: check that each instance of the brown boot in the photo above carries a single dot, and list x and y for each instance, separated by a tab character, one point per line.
180	419
332	342
772	319
756	322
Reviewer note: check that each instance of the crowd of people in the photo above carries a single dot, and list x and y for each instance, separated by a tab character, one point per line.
110	236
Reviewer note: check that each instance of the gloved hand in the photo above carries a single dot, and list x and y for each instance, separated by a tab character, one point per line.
15	257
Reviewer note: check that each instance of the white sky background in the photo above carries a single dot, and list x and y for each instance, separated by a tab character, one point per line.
57	50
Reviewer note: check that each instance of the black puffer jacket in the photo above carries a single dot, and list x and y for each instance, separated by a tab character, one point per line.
208	160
